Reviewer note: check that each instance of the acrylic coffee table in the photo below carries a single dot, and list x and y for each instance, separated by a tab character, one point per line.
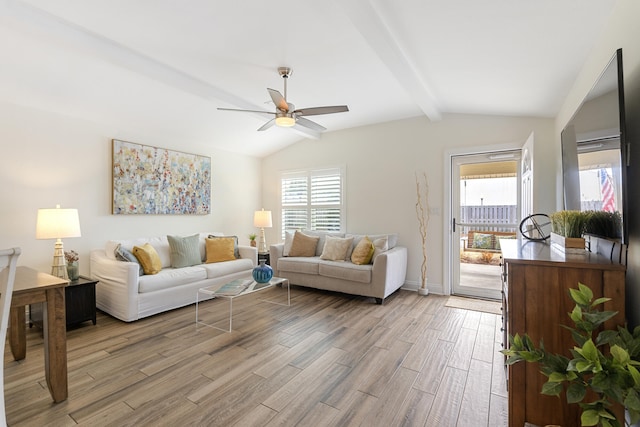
210	292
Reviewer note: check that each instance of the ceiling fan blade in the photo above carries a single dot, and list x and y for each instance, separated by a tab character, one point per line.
279	100
267	125
309	124
247	111
315	111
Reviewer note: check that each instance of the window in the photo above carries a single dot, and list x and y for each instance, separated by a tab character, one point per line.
312	200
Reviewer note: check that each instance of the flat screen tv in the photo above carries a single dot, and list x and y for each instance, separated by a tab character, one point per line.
594	151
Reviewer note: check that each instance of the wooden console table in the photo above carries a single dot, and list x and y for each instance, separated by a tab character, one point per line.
33	287
536	281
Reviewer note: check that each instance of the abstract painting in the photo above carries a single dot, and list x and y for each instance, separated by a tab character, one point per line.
152	180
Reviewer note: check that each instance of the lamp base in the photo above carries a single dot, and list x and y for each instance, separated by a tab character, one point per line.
59	266
262	245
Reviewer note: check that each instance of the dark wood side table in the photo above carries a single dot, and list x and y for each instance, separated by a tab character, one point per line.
80	302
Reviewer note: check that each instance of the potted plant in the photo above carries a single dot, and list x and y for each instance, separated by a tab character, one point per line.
567	228
603	224
252	239
604	370
73	270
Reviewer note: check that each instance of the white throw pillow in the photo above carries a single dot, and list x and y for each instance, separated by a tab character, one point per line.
288	241
335	248
381	245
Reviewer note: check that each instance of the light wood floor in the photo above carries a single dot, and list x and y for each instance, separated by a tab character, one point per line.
328	360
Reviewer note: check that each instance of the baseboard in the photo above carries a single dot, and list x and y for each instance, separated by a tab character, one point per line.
434	288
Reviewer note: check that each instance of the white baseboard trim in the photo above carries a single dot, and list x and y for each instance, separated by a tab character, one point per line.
434	288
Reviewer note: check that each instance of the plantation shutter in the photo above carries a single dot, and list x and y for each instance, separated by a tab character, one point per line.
312	200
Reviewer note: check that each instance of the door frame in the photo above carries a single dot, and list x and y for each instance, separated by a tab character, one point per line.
447	286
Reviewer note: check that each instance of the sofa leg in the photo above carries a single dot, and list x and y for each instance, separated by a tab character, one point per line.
379	301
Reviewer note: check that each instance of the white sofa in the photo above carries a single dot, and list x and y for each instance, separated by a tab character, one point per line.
125	294
379	279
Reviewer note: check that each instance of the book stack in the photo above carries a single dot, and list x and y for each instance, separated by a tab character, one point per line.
234	287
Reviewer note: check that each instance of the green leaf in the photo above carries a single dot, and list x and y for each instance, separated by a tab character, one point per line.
576	392
581	297
590	418
583	366
557	377
600	301
551	389
632	402
619	354
634	374
576	314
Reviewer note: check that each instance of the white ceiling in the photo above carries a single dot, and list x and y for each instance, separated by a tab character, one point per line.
167	65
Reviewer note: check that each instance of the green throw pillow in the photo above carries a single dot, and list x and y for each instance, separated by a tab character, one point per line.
185	251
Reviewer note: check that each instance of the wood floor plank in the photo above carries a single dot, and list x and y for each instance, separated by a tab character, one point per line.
329	359
446	405
463	349
414	410
484	347
433	370
477	394
392	399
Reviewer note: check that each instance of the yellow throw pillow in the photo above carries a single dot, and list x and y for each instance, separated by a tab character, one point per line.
363	252
220	249
148	258
303	245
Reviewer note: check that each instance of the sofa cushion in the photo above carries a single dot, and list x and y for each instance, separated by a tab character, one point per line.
392	240
363	252
220	249
170	278
303	245
185	251
335	248
124	254
148	258
306	265
219	269
346	271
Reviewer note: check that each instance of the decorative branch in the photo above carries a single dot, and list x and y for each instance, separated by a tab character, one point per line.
423	212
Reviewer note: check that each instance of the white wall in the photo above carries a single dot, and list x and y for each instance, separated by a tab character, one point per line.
49	159
381	161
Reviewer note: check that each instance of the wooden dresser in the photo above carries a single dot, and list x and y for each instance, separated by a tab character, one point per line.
535	286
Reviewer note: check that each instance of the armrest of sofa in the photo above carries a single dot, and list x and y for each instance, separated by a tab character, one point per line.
275	252
117	292
390	269
248	252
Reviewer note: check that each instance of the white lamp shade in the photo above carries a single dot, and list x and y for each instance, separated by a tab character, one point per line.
262	219
57	223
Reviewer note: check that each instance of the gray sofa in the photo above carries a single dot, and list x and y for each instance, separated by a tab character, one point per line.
379	279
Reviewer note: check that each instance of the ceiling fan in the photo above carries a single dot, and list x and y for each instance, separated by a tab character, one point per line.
286	114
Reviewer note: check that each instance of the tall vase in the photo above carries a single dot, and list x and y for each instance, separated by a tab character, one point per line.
262	273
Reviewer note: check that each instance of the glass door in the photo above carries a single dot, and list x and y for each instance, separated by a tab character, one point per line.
485	208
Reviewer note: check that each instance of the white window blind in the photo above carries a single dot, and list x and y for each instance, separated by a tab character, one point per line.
312	200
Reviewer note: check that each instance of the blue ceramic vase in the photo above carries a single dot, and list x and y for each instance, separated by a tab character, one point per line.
262	273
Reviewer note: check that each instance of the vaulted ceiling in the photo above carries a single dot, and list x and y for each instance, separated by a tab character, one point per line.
167	65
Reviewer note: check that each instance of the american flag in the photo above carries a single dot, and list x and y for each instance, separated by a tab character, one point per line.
606	192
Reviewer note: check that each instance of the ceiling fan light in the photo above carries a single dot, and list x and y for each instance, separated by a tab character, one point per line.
285	121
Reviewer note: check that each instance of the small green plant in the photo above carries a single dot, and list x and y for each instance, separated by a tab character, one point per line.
604	224
252	237
568	223
606	363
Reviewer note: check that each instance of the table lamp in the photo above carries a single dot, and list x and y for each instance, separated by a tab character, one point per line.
262	219
58	224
